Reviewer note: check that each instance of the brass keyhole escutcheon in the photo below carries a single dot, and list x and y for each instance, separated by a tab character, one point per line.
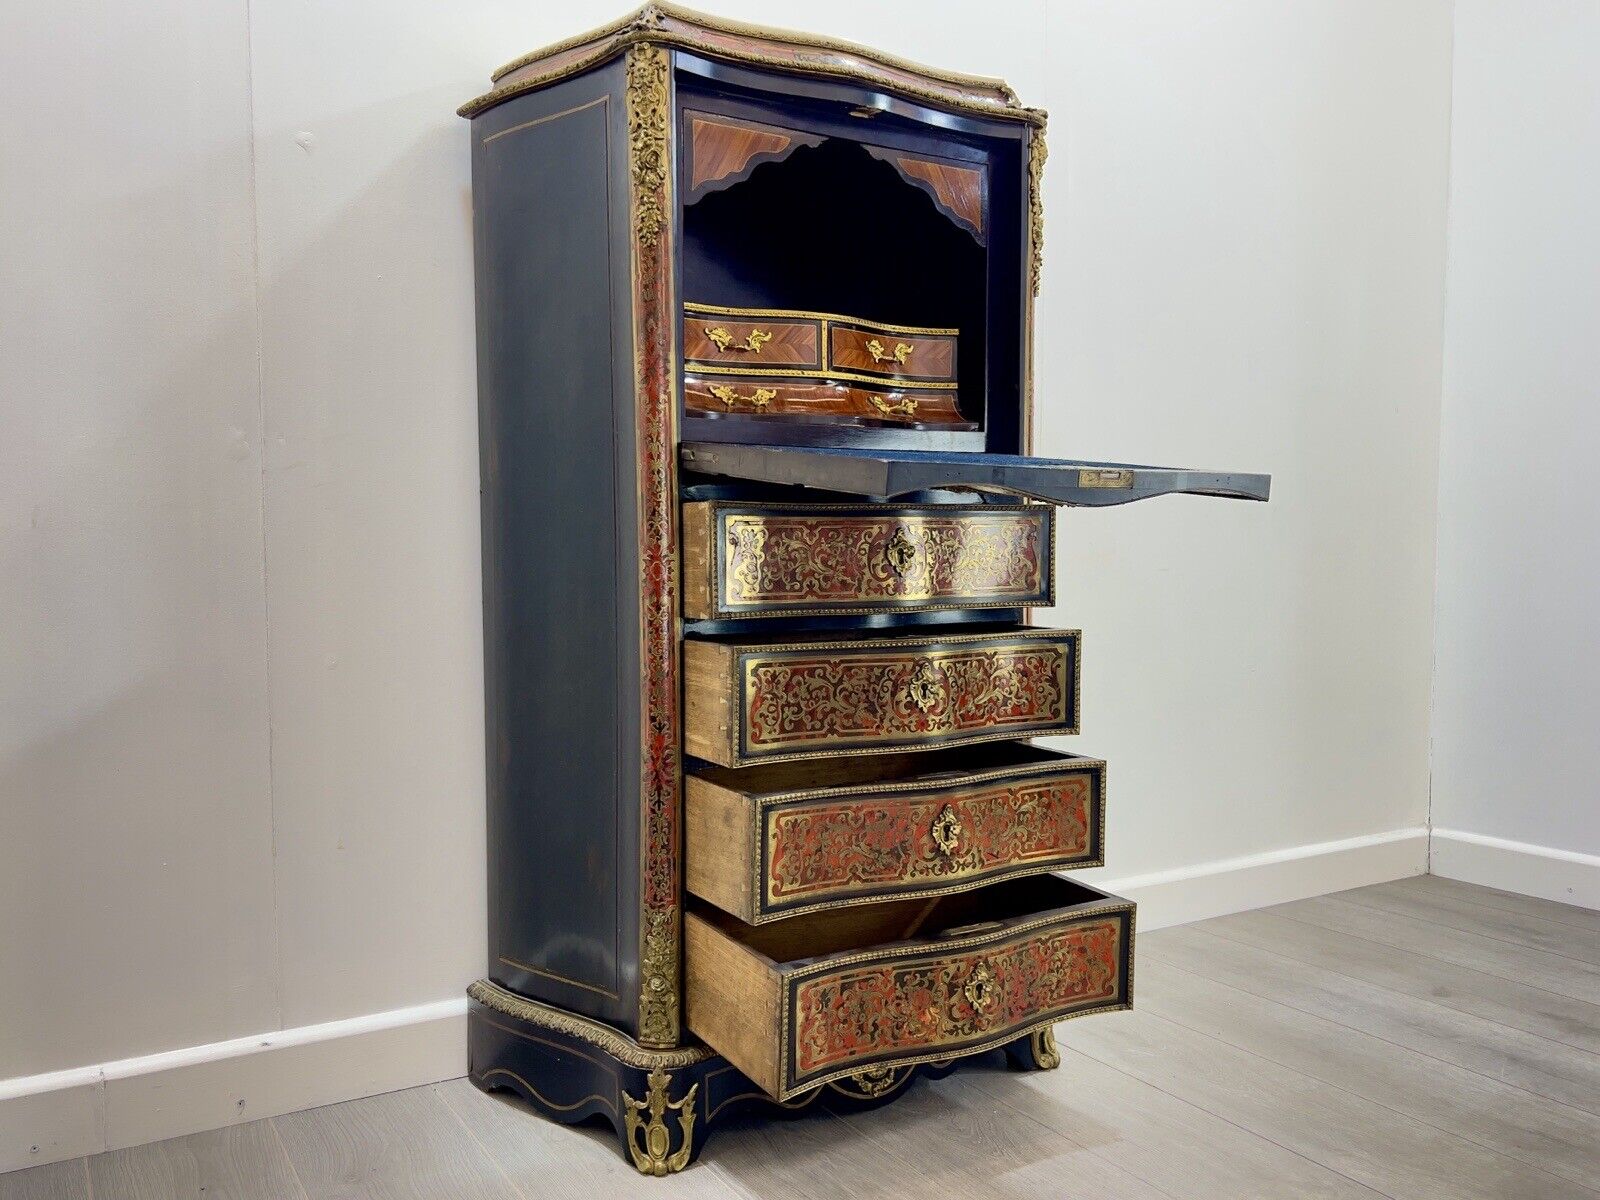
924	687
900	551
947	831
981	989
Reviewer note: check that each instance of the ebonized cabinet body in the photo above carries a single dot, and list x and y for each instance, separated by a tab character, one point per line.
760	534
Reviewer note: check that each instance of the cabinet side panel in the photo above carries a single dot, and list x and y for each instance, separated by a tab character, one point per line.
556	519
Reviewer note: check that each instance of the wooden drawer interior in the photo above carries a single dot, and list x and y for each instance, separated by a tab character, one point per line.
818	997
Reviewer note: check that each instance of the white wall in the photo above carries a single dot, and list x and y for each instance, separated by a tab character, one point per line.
1519	525
240	720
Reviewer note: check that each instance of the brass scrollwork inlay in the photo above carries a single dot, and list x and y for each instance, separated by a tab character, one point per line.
947	831
981	990
907	405
901	352
900	551
650	1141
725	341
757	399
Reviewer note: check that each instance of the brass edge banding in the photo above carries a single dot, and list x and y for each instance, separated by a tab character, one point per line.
764	915
559	978
545	1100
603	1037
922	743
648	12
759	609
863	323
644	25
696	367
1002	875
599	101
1050	636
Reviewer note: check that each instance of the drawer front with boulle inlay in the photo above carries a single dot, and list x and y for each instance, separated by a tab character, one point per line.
753	702
747	560
769	842
822	996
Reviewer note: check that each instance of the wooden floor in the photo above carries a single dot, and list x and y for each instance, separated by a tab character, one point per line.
1415	1039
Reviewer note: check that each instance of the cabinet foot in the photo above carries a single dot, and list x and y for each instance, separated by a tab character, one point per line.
1036	1051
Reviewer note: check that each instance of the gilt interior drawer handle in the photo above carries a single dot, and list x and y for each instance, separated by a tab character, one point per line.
899	354
906	405
725	340
758	399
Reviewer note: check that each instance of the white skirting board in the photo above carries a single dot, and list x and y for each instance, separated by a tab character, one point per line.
1232	885
1563	875
46	1118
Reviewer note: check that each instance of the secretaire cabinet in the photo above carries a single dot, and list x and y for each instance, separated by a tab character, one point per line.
762	537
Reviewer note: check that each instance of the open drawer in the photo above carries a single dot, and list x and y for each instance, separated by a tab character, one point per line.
884	474
773	841
831	994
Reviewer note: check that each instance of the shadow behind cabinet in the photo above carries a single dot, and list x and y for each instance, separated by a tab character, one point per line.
760	533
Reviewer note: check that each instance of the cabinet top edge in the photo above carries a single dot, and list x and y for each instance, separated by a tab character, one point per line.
779	49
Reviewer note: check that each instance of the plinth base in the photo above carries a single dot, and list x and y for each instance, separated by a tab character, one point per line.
662	1103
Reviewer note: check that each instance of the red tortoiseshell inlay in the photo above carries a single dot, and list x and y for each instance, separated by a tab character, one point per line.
930	1004
832	699
854	844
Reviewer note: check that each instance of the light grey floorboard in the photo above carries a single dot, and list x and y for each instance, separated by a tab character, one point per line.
1579	981
57	1181
542	1159
815	1156
972	1146
401	1146
1386	1150
1550	1069
1505	1001
1533	906
1177	1147
1507	1120
1421	1040
242	1162
1520	929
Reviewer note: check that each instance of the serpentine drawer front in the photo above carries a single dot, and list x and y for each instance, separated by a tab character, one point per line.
746	703
828	995
773	841
750	560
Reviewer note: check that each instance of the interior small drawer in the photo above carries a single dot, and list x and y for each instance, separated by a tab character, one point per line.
751	341
832	401
752	702
769	842
751	560
816	998
896	352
